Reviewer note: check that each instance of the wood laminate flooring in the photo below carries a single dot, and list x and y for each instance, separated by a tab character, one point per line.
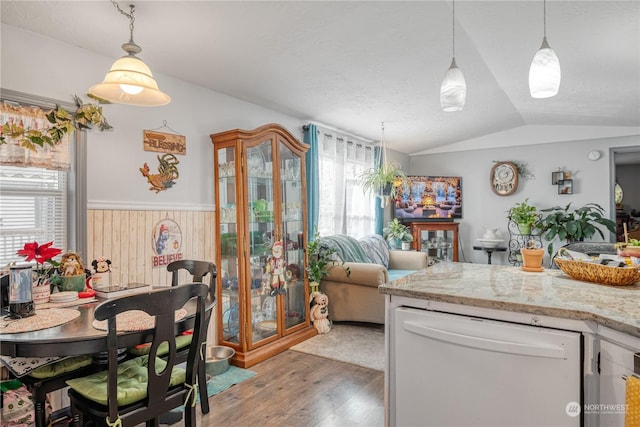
297	389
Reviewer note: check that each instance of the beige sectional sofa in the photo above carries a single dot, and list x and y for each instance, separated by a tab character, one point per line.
355	297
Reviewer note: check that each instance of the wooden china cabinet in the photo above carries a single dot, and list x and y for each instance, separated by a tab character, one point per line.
438	239
263	296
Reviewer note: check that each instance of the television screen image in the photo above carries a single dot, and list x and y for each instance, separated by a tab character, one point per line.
429	198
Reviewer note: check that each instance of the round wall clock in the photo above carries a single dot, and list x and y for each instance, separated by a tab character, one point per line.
504	178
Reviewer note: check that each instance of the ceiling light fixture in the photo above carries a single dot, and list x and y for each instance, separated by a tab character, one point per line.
453	90
129	81
544	74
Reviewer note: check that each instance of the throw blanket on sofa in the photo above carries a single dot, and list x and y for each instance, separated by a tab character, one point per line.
347	248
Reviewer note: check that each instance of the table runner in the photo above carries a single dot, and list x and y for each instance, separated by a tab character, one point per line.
134	320
41	320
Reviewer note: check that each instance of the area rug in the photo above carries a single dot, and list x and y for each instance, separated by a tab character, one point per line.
358	344
220	383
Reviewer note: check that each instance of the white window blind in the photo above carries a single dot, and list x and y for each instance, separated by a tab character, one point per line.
33	207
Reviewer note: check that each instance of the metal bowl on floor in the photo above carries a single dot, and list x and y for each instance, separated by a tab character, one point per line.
218	359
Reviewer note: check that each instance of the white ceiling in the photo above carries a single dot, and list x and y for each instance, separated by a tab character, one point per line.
352	65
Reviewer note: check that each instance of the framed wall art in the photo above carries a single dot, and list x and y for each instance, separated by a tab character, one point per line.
565	186
504	178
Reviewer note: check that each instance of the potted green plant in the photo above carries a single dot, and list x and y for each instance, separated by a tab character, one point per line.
397	234
573	225
525	215
385	182
320	262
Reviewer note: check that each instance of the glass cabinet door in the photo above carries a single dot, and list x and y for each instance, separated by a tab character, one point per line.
438	244
228	270
265	271
293	235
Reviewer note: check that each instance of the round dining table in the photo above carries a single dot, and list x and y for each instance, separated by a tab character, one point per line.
79	336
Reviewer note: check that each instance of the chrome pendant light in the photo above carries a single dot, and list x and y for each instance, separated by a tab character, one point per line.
129	81
453	90
544	74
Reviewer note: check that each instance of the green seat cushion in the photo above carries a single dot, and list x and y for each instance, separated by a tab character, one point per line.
62	367
182	341
132	381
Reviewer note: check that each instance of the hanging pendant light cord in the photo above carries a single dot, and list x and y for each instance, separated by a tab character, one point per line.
453	29
544	17
128	15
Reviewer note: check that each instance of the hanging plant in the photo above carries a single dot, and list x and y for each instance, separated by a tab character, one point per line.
386	181
62	122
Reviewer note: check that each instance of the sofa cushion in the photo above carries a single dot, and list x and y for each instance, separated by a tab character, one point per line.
376	249
346	247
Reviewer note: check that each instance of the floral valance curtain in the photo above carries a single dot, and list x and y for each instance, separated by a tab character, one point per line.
57	157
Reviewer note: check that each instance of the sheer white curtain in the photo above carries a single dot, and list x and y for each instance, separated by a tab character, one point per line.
344	208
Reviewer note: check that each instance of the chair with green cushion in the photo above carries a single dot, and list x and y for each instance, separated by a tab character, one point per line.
142	389
48	378
198	270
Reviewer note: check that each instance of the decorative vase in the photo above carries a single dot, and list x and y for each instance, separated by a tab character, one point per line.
532	259
72	283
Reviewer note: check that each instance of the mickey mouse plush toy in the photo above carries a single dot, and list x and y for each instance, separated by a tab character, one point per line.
101	272
101	265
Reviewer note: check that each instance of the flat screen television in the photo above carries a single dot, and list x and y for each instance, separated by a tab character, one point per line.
429	198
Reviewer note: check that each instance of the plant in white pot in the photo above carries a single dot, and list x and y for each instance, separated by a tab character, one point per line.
397	235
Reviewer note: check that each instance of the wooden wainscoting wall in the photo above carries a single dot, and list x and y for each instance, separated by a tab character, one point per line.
125	237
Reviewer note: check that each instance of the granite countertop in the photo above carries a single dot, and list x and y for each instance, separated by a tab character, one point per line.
549	293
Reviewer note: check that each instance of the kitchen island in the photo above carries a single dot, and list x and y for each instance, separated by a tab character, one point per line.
487	299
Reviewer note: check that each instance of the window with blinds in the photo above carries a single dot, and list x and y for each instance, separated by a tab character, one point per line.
33	207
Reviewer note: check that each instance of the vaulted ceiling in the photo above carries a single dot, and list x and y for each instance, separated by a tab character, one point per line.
351	65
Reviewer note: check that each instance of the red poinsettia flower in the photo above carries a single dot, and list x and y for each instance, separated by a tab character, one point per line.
41	253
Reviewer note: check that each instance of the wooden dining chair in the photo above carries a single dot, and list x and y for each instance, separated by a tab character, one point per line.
143	388
199	271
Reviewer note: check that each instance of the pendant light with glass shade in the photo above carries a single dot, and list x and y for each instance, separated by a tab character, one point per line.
544	74
129	81
453	90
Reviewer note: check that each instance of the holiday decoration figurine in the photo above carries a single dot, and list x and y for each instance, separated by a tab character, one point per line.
319	313
276	269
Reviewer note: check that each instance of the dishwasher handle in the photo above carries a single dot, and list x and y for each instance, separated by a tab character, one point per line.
488	344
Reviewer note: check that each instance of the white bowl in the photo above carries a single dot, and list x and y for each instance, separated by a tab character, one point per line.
490	243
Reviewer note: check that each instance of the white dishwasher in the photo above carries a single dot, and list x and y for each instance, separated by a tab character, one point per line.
454	370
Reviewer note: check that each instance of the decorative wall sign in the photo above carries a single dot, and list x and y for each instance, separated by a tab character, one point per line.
504	178
166	176
164	142
166	241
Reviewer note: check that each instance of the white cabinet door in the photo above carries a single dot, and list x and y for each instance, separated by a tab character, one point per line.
452	370
616	362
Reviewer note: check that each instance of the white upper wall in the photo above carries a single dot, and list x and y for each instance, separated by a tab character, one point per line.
592	182
45	67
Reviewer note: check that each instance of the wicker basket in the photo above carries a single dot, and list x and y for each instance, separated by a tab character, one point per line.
599	273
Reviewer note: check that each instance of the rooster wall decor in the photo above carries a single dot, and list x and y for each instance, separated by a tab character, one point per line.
168	173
